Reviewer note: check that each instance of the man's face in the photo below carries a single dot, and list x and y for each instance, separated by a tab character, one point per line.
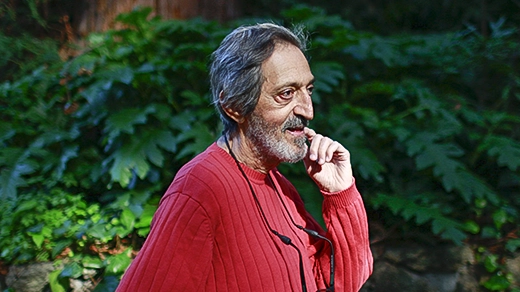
275	127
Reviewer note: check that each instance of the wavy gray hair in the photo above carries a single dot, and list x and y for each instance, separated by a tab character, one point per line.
236	67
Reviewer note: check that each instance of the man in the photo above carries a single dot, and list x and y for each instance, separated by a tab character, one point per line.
230	221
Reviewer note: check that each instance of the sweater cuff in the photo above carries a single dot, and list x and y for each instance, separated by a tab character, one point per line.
342	198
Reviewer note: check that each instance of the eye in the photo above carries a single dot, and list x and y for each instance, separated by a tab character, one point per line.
310	89
287	94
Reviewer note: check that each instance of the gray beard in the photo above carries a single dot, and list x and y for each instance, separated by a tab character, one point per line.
268	145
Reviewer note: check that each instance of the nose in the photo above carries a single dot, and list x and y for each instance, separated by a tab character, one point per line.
304	105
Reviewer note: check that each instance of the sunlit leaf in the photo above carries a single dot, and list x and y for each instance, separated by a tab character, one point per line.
117	264
92	262
55	283
127	218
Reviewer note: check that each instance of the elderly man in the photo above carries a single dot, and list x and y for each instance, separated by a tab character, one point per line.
230	221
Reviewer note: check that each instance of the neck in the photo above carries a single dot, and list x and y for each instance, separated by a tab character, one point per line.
246	153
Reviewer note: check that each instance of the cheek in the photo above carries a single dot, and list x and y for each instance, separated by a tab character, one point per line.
280	121
274	113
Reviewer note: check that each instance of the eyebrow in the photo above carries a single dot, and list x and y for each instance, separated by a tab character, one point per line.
294	84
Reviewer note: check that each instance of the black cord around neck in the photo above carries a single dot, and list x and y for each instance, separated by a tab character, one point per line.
310	232
285	239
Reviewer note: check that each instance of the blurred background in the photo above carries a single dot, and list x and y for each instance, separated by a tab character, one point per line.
101	102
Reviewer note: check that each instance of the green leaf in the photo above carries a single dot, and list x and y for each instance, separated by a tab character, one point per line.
92	262
54	282
145	220
154	138
366	162
453	173
374	88
420	141
127	218
69	152
60	246
80	64
441	225
439	156
423	217
6	132
454	234
126	160
108	283
491	262
499	218
72	270
99	231
448	229
95	94
472	227
505	149
513	245
199	137
471	186
490	232
116	265
37	239
125	120
26	205
116	72
497	283
329	75
16	166
134	156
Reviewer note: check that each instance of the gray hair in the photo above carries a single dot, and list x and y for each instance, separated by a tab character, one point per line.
236	67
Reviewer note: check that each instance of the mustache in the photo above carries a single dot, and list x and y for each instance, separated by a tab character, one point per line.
295	122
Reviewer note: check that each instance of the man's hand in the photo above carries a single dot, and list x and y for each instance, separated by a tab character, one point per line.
327	163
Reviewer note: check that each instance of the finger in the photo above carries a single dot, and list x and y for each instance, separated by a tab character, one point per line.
310	133
333	148
314	146
326	148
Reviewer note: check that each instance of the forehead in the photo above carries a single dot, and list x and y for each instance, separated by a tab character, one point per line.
287	64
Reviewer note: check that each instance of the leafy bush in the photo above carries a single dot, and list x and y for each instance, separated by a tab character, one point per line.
89	145
431	122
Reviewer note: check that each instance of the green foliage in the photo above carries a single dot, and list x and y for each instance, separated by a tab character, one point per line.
499	279
88	146
429	141
432	125
430	120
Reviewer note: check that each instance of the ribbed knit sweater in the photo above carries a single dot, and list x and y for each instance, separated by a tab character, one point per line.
208	234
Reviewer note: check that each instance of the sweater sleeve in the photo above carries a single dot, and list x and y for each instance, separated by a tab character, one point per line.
181	225
346	222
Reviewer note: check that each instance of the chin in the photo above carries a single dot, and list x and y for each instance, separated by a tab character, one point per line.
295	155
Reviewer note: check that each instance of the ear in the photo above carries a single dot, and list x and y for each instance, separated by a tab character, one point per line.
234	115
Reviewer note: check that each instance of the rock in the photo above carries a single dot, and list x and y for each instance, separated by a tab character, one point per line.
387	277
443	258
466	281
513	266
410	268
29	278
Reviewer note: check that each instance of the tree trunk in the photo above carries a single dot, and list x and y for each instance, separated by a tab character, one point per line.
99	15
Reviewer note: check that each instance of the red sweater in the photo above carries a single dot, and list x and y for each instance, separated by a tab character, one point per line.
208	235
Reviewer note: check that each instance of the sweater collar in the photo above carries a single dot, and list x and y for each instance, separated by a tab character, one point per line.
254	176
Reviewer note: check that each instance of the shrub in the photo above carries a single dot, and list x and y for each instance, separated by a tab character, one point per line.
430	121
